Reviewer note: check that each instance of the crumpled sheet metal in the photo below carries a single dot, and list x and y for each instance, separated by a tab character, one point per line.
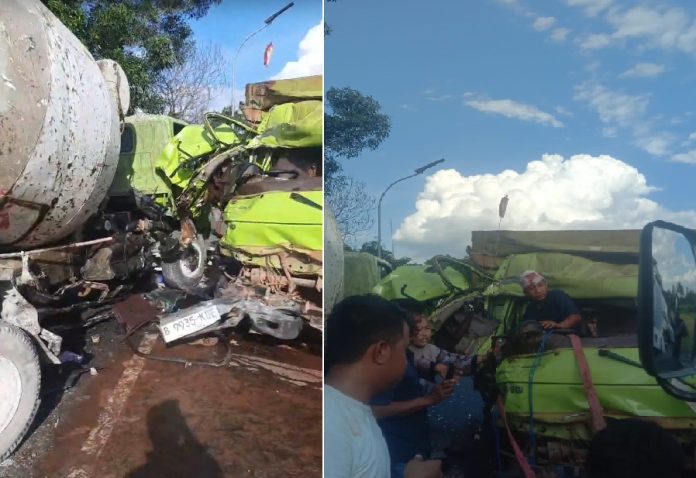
282	323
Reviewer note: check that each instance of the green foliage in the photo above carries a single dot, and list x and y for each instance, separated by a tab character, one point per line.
327	28
353	122
371	247
144	36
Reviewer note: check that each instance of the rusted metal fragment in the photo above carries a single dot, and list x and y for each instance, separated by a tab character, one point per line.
267	94
134	312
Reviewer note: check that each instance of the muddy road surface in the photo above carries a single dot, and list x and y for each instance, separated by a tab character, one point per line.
258	416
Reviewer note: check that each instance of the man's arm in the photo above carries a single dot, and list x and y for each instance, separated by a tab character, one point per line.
569	322
406	407
569	311
401	408
417	468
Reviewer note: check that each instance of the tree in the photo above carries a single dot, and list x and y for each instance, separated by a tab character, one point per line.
371	247
188	87
327	28
145	37
350	205
352	122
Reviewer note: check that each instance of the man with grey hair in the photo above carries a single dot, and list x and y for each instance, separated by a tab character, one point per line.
553	309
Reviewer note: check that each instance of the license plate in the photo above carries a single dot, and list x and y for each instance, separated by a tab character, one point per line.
174	328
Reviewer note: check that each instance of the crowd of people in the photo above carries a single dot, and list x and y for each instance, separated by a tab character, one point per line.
382	374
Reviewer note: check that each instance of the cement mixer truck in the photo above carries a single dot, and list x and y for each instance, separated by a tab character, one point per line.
60	116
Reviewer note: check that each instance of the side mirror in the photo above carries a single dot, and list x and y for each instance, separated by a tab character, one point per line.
667	306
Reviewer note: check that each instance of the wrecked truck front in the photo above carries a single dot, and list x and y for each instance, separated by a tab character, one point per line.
602	280
605	293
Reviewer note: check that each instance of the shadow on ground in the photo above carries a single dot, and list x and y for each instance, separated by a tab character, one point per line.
175	450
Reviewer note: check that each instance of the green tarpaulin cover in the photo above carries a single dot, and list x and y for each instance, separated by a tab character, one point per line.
579	277
291	125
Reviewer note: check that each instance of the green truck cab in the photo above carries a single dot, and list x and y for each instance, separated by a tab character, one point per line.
143	139
476	306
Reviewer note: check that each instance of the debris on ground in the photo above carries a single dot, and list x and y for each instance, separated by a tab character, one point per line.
167	427
67	356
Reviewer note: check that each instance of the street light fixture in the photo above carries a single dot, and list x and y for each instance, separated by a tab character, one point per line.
416	172
266	22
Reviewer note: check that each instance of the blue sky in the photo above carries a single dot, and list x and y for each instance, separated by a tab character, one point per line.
603	88
229	23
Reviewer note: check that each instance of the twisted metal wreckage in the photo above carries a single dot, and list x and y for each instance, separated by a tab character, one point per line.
546	393
93	202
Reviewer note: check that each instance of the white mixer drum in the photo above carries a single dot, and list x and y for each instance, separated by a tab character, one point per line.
59	128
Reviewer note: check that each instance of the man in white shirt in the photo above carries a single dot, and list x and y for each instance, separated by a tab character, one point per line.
365	343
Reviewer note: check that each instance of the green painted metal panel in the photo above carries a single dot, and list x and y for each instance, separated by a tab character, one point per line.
274	221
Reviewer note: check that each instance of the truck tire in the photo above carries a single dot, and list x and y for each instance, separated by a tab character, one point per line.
20	376
187	272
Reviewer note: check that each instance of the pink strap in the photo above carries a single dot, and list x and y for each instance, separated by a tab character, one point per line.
528	472
596	411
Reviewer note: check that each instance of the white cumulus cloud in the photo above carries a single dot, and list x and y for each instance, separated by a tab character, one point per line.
310	56
609	132
643	70
543	23
689	157
513	109
559	34
629	112
667	28
594	41
581	192
657	144
591	7
562	111
663	27
613	106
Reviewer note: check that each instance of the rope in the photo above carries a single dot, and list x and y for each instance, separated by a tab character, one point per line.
598	422
496	434
521	460
530	385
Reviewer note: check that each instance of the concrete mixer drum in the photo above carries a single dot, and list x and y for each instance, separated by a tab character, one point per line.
59	128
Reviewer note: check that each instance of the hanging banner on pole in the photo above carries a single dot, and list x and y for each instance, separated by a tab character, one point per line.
267	54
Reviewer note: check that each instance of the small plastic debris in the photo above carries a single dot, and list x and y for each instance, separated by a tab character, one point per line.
159	279
93	371
96	339
206	341
67	356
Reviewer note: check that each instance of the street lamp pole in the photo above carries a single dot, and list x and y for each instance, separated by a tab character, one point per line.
266	22
416	172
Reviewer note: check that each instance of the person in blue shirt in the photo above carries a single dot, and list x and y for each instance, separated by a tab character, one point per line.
553	309
402	411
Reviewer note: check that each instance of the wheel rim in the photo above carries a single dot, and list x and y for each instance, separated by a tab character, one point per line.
10	392
191	261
